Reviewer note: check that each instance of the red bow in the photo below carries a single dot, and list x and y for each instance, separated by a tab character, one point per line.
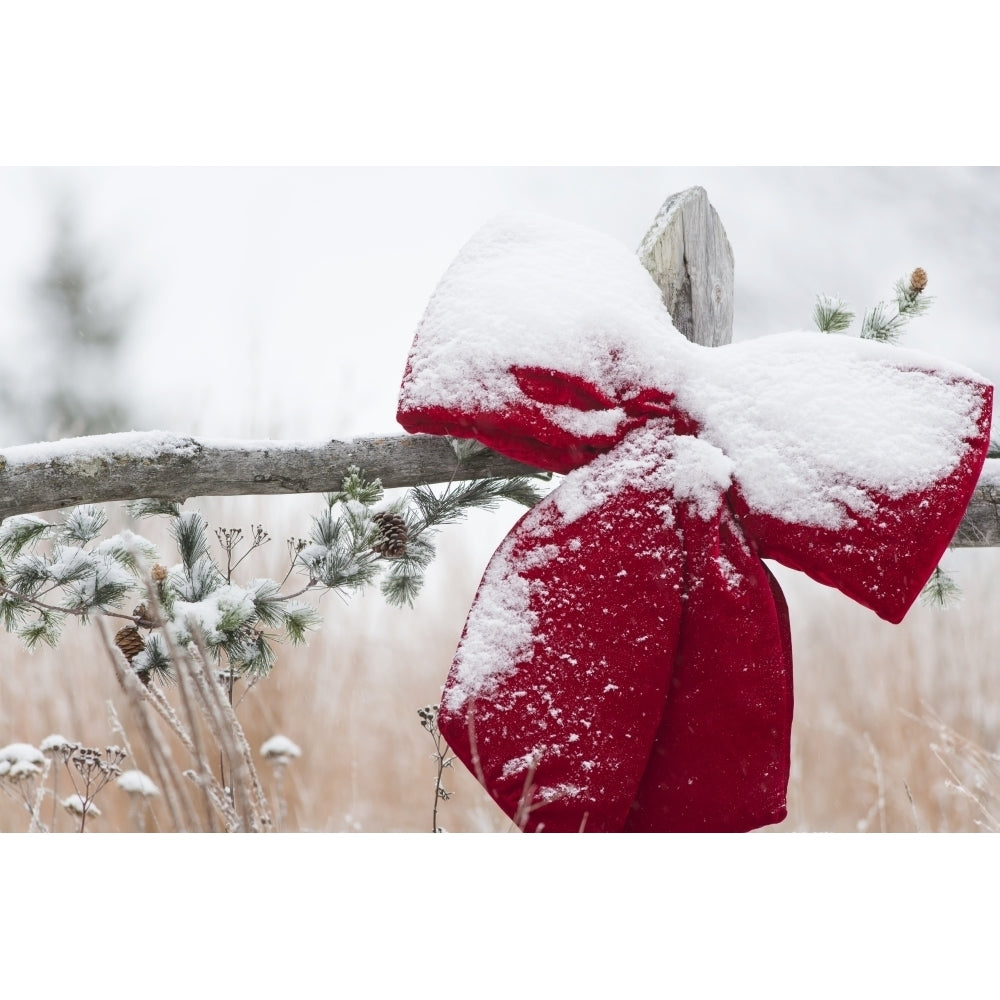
626	664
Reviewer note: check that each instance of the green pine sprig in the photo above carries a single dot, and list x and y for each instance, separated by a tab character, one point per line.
831	314
941	590
885	321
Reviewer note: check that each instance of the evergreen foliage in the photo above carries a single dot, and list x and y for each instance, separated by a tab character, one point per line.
885	321
941	591
831	315
53	570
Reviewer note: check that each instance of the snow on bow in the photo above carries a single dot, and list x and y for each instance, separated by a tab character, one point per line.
626	664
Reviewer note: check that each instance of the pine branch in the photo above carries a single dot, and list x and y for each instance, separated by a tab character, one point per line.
831	315
886	322
482	494
941	591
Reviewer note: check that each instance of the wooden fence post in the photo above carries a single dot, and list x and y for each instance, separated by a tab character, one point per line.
688	255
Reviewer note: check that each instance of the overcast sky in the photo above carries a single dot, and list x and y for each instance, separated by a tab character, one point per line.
282	302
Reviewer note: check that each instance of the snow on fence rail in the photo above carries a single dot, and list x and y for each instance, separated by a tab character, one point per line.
688	255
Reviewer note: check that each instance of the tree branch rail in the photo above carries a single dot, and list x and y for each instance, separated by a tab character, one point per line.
162	466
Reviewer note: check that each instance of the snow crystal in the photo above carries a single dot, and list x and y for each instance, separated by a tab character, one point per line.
23	769
728	572
280	748
55	743
137	783
12	526
99	448
523	763
76	804
499	633
15	753
553	793
651	461
227	603
126	541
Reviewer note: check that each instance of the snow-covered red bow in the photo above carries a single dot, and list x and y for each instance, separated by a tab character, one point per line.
626	664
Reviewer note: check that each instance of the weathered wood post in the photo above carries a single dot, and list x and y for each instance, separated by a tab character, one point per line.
688	255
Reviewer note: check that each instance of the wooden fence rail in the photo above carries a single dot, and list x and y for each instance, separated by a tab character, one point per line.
688	255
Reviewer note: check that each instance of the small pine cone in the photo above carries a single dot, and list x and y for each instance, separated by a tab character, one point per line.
143	617
129	642
158	573
918	281
391	539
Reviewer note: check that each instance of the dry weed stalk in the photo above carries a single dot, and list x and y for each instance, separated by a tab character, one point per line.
23	770
428	719
95	770
980	783
240	804
279	751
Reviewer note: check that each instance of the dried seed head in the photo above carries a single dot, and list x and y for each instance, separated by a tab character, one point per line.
158	573
138	784
144	617
58	744
280	750
77	805
428	718
918	280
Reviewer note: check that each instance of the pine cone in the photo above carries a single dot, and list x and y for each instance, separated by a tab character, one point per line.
918	281
143	616
129	642
390	541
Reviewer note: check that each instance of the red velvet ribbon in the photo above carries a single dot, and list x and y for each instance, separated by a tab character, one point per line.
651	686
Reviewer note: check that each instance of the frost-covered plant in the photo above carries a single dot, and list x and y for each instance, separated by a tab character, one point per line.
77	805
52	570
885	321
442	759
140	788
93	770
279	751
85	576
137	783
22	775
55	745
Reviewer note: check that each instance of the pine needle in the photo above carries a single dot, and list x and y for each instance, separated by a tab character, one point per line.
941	591
831	314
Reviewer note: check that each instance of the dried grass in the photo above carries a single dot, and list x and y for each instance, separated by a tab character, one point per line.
895	726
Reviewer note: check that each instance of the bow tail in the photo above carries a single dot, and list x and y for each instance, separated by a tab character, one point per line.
721	757
559	683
